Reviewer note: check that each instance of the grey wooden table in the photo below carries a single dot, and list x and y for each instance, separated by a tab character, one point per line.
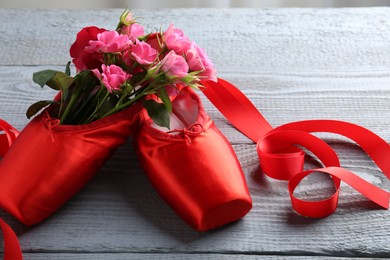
293	64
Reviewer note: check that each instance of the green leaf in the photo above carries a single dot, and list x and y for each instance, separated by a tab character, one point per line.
85	78
42	77
36	107
67	69
60	81
56	80
162	93
158	112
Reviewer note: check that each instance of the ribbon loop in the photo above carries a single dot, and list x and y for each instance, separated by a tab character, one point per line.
313	209
285	165
11	244
6	139
289	166
375	147
281	159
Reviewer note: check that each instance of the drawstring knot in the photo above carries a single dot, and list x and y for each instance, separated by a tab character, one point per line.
186	133
50	123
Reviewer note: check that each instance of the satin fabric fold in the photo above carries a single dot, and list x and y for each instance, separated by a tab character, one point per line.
280	158
9	136
48	163
194	168
12	249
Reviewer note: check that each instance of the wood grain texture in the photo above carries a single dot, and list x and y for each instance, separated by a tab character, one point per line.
293	64
127	256
256	40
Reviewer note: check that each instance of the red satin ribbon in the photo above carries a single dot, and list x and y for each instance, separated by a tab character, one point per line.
281	159
11	244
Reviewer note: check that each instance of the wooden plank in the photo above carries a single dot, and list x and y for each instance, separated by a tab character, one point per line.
127	256
263	40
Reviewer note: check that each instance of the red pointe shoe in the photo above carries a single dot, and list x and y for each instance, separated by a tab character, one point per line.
48	163
193	166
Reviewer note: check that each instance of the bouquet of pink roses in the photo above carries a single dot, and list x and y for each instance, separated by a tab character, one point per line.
117	68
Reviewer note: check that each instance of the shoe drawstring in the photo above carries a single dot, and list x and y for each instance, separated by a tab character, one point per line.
50	123
186	133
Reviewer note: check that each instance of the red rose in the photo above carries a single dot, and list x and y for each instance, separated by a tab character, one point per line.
85	60
154	41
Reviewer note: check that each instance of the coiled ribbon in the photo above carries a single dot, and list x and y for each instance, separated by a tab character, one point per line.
282	160
11	244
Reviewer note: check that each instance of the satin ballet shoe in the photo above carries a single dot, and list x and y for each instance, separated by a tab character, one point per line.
193	166
48	163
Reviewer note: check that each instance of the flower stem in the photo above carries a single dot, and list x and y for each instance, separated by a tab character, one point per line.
125	94
68	108
130	102
91	117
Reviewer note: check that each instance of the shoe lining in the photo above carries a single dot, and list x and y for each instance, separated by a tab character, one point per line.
185	112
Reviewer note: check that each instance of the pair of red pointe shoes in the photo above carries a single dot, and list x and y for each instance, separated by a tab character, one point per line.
192	165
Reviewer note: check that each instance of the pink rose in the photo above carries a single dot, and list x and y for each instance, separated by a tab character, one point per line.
199	61
133	31
128	59
176	40
174	65
82	59
143	53
108	42
112	77
130	63
173	91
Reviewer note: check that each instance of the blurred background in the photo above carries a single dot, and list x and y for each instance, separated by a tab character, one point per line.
134	4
